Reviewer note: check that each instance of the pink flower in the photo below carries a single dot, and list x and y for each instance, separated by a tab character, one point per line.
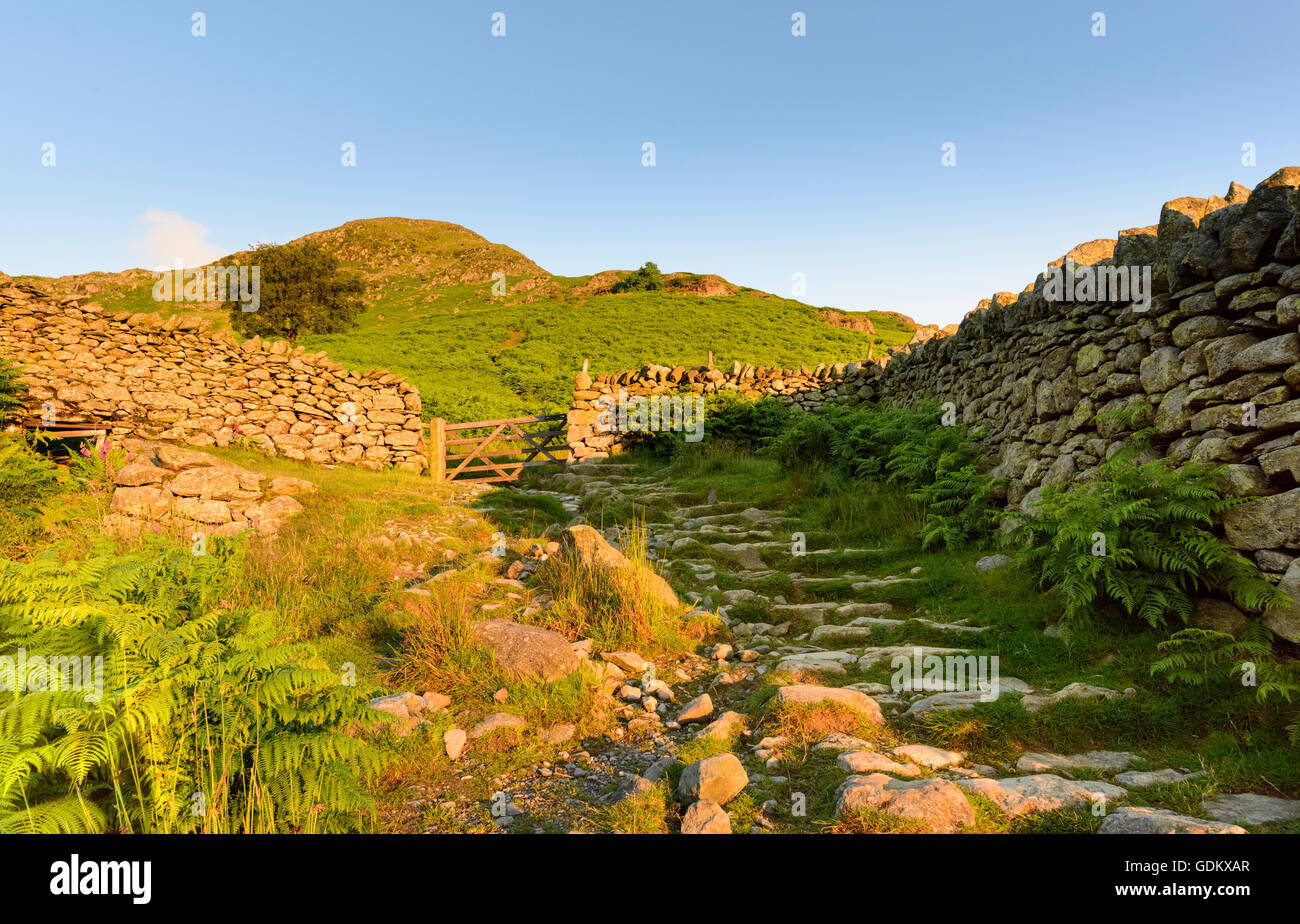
84	451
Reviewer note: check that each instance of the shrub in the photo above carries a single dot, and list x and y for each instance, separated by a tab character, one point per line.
746	423
730	418
617	606
301	291
646	279
809	442
12	389
1138	539
28	481
958	511
937	464
199	722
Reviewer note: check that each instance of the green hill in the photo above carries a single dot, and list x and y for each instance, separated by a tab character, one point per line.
431	318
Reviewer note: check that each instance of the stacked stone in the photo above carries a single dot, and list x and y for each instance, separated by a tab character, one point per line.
176	380
1212	365
184	491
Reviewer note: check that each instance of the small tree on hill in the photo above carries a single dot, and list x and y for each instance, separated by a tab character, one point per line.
302	291
646	279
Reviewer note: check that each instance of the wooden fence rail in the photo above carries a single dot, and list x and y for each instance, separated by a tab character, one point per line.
453	455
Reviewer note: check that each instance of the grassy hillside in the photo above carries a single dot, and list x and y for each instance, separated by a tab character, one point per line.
473	358
431	318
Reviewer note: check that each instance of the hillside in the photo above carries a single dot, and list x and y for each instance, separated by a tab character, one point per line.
432	319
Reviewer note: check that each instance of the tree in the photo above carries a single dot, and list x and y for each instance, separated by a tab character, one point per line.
646	279
302	291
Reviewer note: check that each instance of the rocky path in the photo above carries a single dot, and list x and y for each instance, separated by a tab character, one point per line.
832	742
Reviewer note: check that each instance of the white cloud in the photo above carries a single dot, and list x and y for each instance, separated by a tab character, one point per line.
170	236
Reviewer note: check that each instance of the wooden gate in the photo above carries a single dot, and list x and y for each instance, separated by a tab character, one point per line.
502	454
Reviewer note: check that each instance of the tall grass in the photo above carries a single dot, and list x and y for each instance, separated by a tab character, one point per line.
616	607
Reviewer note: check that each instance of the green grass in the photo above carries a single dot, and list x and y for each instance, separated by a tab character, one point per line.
644	813
475	357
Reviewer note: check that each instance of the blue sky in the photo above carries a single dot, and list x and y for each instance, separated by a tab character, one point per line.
775	154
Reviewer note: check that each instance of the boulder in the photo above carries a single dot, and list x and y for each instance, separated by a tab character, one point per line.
139	473
1140	778
719	779
724	726
453	741
1285	620
1133	819
526	653
1043	792
938	804
495	722
593	551
1105	761
931	757
1250	808
866	761
801	694
697	710
704	816
1271	522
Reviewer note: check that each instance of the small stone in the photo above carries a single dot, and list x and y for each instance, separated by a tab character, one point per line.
720	778
453	740
704	816
696	710
926	756
495	722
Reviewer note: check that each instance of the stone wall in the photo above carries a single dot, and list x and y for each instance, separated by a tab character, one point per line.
804	387
1212	363
176	380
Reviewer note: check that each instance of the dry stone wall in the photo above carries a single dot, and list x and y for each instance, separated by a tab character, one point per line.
176	380
1211	362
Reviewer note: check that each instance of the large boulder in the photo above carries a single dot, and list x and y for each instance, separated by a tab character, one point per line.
1285	620
1252	809
593	551
719	778
1249	240
800	694
937	803
705	816
1271	522
1133	819
526	652
1042	792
